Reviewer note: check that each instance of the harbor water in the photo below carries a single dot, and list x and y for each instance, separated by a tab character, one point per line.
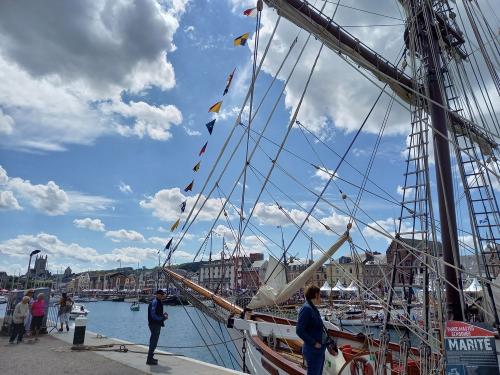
186	331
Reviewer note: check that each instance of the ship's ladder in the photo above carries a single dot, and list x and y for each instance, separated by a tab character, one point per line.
478	190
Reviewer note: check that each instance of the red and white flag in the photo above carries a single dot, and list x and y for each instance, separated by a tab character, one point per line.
252	12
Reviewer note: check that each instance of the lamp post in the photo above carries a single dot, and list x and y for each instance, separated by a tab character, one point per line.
34	252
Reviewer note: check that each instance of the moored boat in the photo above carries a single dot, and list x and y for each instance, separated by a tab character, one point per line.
78	310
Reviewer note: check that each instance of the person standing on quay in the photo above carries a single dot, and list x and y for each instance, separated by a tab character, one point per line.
20	313
65	306
37	312
156	319
310	330
27	322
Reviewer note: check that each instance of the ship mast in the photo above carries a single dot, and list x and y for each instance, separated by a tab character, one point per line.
428	25
420	20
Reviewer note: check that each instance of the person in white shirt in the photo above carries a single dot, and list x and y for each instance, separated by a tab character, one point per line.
21	311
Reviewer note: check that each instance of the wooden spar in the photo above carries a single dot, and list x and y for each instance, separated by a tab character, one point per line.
225	304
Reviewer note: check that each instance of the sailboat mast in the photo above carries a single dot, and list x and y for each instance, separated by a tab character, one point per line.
421	20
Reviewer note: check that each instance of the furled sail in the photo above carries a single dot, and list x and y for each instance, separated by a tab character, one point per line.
275	274
268	296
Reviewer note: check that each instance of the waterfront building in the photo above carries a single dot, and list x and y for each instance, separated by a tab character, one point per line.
408	260
40	268
296	266
84	281
343	272
67	273
244	272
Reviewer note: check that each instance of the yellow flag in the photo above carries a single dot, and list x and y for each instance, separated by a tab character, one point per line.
241	40
216	107
196	168
176	224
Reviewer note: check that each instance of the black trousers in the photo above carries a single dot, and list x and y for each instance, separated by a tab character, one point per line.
153	340
17	331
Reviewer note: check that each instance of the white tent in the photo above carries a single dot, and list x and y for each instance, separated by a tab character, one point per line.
474	287
338	287
326	287
351	288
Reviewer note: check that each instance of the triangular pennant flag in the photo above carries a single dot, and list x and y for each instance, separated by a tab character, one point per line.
183	206
169	243
175	225
203	149
196	168
241	40
210	126
252	12
189	187
228	82
216	107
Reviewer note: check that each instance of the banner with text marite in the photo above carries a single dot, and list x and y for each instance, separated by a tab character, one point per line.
470	350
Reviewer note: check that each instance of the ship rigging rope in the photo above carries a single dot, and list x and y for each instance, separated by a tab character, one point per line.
478	75
255	146
290	126
358	63
382	231
208	195
398	100
350	277
228	138
363	10
362	287
247	145
201	336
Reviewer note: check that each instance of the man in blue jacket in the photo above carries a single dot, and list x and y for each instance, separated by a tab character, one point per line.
156	317
310	330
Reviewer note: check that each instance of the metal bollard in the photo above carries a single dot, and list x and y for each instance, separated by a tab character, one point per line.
80	326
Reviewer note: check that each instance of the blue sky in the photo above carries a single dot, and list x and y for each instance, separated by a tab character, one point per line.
101	125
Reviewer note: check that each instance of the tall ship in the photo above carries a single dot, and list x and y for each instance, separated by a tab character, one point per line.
437	303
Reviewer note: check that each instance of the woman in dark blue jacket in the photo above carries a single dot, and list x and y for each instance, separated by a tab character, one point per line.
310	330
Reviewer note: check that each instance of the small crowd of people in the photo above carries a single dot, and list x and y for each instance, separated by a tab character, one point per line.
29	314
28	317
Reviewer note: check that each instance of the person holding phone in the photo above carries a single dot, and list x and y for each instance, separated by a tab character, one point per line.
311	330
156	319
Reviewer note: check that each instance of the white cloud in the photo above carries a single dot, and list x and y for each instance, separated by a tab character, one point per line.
338	96
152	121
272	215
124	235
8	201
91	224
191	133
325	174
80	257
50	199
3	176
124	188
401	190
6	123
389	227
90	53
165	205
158	240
